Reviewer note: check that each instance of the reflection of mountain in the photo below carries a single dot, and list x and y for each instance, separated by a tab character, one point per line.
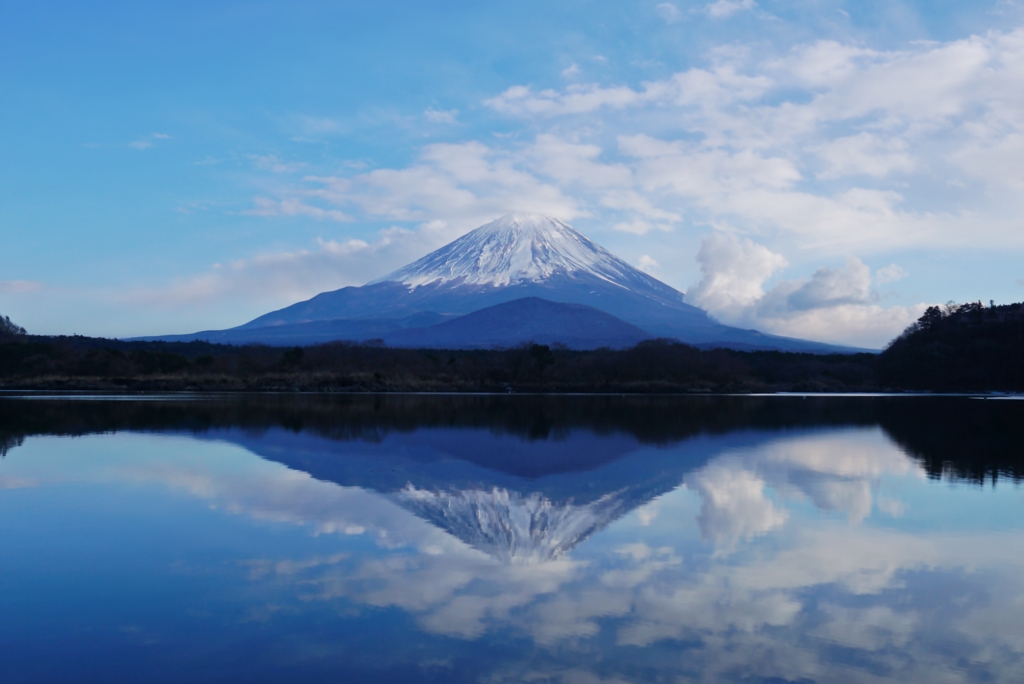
520	500
511	526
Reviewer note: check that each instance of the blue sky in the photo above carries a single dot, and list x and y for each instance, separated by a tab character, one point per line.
818	169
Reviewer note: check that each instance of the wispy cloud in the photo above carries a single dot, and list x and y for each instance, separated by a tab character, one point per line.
723	9
20	286
147	142
270	162
669	12
284	277
889	274
441	116
264	206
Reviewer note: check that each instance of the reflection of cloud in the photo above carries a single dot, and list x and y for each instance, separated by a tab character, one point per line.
735	506
903	606
837	471
7	482
870	629
454	593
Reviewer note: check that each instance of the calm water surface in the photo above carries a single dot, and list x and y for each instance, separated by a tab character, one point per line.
511	539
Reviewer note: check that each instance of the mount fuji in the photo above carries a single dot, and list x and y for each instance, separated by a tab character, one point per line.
592	299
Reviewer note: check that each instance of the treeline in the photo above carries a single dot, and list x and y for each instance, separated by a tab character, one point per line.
652	366
965	347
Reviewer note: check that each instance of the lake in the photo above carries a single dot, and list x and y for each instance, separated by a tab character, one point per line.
578	540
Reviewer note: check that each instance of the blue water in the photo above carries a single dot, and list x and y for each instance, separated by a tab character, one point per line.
367	540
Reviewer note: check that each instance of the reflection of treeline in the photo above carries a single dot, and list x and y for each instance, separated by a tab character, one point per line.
650	419
960	438
655	366
959	347
975	440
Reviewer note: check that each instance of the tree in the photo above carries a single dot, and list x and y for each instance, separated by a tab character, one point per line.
7	327
542	355
931	318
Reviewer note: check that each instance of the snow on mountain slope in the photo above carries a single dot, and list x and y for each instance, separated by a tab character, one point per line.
515	249
510	526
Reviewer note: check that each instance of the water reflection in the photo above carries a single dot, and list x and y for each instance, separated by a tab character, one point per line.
573	539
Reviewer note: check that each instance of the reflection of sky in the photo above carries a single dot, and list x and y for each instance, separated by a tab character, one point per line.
813	556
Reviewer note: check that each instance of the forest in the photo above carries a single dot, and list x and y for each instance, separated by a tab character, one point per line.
965	347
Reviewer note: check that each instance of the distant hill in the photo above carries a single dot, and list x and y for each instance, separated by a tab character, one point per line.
525	320
965	347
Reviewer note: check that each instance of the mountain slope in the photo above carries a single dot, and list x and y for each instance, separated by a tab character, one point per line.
312	332
520	255
525	320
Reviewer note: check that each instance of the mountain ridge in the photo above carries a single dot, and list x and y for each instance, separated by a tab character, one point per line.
515	257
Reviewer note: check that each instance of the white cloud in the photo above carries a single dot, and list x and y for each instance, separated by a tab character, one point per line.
270	162
441	116
723	9
284	277
833	305
639	227
576	164
264	206
889	274
578	99
697	86
147	142
829	287
461	185
865	154
734	270
647	263
827	111
572	71
669	12
317	126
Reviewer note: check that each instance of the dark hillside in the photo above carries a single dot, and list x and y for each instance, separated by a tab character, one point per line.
82	363
965	347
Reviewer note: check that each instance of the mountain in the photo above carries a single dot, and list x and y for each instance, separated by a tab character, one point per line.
314	332
516	256
529	319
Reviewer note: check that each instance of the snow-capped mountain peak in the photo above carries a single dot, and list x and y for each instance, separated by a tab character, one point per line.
514	249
